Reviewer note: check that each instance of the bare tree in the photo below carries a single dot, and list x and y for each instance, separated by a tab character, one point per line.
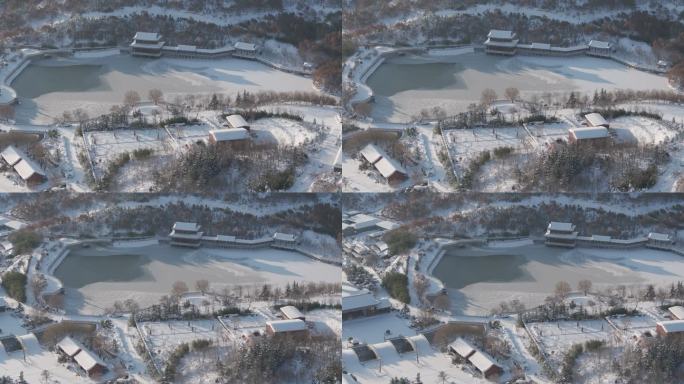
488	96
442	302
584	286
562	289
156	95
661	295
178	289
512	93
131	99
45	375
202	285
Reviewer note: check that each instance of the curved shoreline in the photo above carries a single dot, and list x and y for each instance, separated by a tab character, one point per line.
356	72
66	246
445	246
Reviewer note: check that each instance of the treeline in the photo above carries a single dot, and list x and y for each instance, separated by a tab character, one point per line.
520	220
252	115
15	285
106	181
396	284
268	360
262	167
24	240
655	362
400	240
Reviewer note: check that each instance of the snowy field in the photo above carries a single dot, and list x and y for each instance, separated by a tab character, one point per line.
164	337
465	76
642	130
372	329
557	337
282	131
465	144
98	83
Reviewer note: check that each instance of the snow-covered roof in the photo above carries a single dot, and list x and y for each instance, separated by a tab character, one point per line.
14	224
230	134
386	224
263	240
595	119
589	133
12	155
672	326
500	34
559	226
366	224
600	238
237	121
371	153
599	44
658	236
284	236
225	238
387	167
147	36
462	347
287	325
213	51
185	226
186	48
482	361
88	360
382	246
540	46
291	312
677	311
137	44
7	245
69	346
361	299
245	46
27	168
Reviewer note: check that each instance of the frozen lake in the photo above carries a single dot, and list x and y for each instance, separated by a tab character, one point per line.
96	277
47	88
479	278
403	86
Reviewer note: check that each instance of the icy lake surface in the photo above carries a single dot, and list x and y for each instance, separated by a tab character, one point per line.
48	87
95	277
403	86
478	279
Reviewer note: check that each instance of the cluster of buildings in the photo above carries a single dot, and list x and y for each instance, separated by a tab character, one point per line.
596	132
84	358
674	327
354	222
291	323
464	351
502	42
185	234
358	303
27	169
559	234
150	44
388	168
236	133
